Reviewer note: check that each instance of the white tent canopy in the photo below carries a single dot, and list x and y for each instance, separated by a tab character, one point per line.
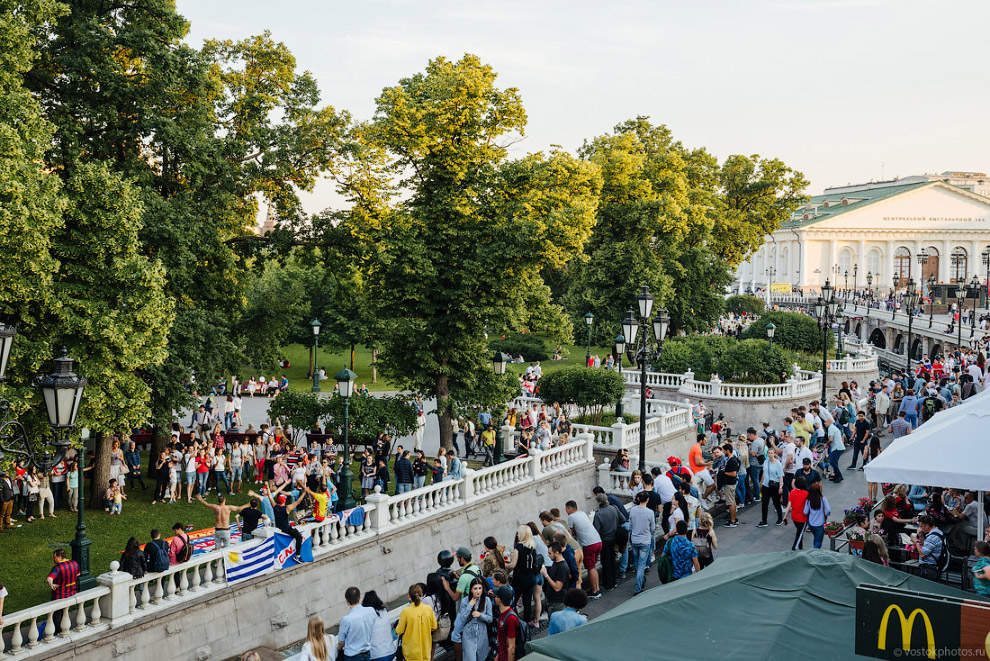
949	451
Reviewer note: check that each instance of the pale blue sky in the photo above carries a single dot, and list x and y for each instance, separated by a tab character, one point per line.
835	88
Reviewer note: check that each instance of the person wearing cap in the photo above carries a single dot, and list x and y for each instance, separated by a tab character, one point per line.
468	572
808	472
508	625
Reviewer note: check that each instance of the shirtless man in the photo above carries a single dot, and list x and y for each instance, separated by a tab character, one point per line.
221	522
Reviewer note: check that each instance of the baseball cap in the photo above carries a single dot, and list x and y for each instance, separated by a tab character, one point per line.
504	594
806	461
281	499
464	553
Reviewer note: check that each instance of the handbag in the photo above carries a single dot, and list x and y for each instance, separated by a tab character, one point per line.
773	484
442	632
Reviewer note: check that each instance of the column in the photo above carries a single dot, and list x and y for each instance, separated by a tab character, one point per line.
943	261
826	268
861	261
888	276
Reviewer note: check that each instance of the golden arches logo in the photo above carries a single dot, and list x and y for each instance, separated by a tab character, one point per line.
907	624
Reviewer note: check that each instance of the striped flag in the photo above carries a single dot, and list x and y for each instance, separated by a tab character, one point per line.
250	562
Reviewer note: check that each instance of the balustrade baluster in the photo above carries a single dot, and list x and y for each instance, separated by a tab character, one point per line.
80	619
17	638
49	628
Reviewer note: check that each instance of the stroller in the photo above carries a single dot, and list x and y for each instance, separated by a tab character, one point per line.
819	460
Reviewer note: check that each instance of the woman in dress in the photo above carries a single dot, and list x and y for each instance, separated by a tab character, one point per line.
116	463
32	487
473	618
368	472
417	621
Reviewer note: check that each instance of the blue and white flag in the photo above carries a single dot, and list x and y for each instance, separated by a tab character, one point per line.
250	562
285	550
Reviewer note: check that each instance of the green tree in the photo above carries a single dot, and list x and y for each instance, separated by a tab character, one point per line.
794	331
744	304
752	361
591	390
461	235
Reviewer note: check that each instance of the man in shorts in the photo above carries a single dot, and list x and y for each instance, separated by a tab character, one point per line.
591	543
699	466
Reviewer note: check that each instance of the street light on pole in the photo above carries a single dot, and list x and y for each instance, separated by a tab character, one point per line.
620	348
345	388
973	291
931	300
316	354
845	289
986	262
910	299
869	286
771	329
499	361
588	319
643	352
62	392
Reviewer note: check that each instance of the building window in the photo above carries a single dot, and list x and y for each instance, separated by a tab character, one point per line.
873	264
902	265
959	262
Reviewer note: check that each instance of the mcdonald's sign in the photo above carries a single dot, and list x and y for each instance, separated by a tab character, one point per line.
898	624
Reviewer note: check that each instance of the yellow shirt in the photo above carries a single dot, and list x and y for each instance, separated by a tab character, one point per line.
416	625
803	430
488	437
320	506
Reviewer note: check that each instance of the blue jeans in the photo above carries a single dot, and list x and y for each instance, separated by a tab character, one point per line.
419	481
403	487
819	534
236	474
741	488
222	475
913	419
833	458
228	420
363	656
201	481
624	560
642	553
753	472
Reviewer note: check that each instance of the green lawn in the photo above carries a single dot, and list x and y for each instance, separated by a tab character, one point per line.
28	550
333	361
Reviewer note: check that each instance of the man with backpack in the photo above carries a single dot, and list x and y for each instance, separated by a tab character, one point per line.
933	555
930	405
512	632
180	549
156	552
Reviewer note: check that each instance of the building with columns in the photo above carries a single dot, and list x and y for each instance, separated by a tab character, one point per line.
880	229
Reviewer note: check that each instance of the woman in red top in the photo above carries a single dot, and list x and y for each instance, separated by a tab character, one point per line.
795	503
202	471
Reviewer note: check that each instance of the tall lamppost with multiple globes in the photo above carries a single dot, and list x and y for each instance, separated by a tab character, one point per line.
589	319
855	273
499	361
643	351
986	283
910	300
838	334
931	300
620	348
973	291
345	388
62	391
869	285
893	295
845	289
316	354
825	311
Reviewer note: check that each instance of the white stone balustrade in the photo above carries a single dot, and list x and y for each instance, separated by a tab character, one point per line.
80	615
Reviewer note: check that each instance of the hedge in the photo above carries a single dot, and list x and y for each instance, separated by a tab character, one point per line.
793	331
531	347
744	304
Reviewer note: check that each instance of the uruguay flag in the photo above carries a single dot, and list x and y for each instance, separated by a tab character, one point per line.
285	549
250	562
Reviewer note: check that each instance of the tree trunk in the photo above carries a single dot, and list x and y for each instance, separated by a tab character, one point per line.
352	356
159	439
443	413
101	470
374	365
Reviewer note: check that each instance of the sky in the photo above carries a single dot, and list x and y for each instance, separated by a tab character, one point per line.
845	91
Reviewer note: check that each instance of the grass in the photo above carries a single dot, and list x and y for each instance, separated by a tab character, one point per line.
333	361
27	551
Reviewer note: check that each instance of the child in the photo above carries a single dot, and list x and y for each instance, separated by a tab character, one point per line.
108	495
173	476
118	500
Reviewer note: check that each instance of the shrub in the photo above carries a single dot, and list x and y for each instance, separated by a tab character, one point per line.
532	347
752	361
744	304
590	389
794	331
698	353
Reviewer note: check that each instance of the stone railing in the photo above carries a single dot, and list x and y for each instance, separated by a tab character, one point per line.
790	389
666	418
121	600
617	482
32	630
655	379
850	364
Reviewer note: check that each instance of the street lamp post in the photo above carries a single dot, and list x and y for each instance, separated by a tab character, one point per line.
960	302
589	319
499	361
345	387
855	272
869	287
973	291
62	392
838	334
771	329
316	354
910	299
642	352
845	289
893	295
825	311
986	262
931	300
620	348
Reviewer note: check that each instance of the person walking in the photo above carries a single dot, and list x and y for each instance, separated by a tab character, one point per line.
817	510
416	625
836	446
642	529
771	488
795	505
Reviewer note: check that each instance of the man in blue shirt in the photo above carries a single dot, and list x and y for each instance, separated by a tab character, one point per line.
929	550
833	436
356	628
569	618
683	554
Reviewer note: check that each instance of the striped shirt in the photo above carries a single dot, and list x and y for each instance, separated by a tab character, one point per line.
65	576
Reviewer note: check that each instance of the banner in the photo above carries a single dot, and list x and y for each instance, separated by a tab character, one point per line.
897	624
781	287
285	550
243	564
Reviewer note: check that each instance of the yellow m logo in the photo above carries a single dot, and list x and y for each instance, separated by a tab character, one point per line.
907	624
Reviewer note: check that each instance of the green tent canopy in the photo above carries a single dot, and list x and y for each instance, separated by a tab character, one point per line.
789	604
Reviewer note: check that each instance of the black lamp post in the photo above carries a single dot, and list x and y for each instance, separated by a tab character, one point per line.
961	294
869	285
771	329
986	262
973	291
910	299
931	300
345	388
620	348
62	391
838	334
855	272
825	311
499	361
589	319
893	295
643	351
845	289
316	354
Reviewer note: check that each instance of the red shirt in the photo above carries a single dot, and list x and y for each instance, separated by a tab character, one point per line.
65	575
797	498
202	464
508	627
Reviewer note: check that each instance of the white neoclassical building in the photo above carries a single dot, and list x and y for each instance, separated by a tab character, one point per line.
880	229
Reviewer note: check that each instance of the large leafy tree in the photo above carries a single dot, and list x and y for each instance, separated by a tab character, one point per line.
460	232
674	219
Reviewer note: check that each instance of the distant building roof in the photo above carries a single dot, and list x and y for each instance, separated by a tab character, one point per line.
831	204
